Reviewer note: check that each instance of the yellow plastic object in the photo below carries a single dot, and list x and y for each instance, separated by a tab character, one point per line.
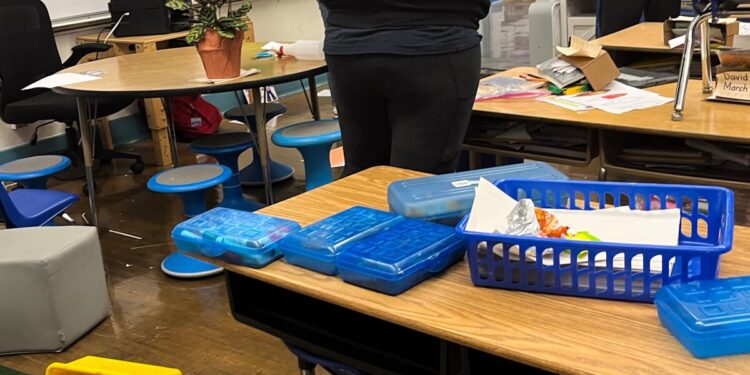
104	366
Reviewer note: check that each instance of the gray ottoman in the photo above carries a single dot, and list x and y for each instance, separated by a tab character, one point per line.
52	287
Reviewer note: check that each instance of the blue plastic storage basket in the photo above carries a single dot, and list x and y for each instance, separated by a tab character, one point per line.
238	237
709	317
503	261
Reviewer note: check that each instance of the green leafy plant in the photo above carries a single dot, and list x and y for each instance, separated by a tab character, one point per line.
207	14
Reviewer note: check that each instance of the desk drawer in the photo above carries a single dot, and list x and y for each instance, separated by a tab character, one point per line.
534	140
676	165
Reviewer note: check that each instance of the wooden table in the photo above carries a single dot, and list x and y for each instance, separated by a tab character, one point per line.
643	37
706	120
168	73
155	114
559	334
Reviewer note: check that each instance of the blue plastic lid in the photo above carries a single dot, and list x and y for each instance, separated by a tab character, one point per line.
324	239
709	307
401	249
451	195
223	229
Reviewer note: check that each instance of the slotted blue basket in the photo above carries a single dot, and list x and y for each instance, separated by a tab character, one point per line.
513	262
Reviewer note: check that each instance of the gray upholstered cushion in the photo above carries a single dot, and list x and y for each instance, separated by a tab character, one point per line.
52	287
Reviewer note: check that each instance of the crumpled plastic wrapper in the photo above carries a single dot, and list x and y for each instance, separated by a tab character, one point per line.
522	220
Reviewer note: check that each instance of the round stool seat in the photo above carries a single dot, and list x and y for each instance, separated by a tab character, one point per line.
33	167
308	133
222	143
272	110
189	178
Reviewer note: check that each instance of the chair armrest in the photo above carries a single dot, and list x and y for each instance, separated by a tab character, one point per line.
84	49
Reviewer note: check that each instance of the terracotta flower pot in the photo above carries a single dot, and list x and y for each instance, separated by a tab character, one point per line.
221	57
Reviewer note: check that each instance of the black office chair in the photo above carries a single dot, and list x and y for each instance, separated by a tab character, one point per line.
29	53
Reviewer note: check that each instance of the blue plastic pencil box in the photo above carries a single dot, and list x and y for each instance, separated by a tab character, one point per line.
447	198
709	317
237	237
317	246
400	256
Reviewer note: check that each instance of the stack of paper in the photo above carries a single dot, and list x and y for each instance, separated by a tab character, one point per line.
618	98
560	73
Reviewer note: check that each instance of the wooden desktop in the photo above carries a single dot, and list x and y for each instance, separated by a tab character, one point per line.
558	334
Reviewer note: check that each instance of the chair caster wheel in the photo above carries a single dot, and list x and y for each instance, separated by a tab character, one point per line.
137	167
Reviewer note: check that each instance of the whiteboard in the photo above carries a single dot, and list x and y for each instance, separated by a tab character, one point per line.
68	12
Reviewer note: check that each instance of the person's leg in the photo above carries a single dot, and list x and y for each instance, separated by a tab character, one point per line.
661	10
430	99
615	15
362	112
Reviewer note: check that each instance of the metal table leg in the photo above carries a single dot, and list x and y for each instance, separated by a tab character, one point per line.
702	21
88	161
262	140
314	98
687	58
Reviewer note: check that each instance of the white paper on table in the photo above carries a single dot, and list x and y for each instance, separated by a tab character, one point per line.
676	42
489	213
271	46
744	28
243	73
632	78
324	93
562	102
619	98
61	79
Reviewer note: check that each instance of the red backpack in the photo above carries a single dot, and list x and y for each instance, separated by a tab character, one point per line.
194	117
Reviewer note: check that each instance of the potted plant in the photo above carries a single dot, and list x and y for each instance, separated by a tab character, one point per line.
218	36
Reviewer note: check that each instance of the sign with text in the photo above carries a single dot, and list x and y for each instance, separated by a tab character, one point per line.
733	85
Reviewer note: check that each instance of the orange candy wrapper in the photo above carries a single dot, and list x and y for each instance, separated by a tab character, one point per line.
549	225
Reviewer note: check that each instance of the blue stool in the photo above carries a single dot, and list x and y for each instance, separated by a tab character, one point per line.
313	140
226	148
252	175
191	183
33	172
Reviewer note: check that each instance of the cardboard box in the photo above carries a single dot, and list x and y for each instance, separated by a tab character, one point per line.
599	71
726	31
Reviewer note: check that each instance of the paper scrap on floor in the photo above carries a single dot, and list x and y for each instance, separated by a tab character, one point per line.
336	157
492	207
61	79
619	98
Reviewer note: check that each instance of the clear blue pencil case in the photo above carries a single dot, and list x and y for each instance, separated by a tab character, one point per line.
237	237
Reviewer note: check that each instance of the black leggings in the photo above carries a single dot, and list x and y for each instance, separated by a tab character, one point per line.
405	111
615	15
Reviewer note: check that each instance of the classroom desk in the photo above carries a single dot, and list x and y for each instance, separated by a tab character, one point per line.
705	120
167	73
155	114
555	333
643	37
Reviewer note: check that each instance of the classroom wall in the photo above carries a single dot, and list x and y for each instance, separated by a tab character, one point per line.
286	20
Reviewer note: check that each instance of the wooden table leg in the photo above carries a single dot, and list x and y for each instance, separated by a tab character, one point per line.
157	120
